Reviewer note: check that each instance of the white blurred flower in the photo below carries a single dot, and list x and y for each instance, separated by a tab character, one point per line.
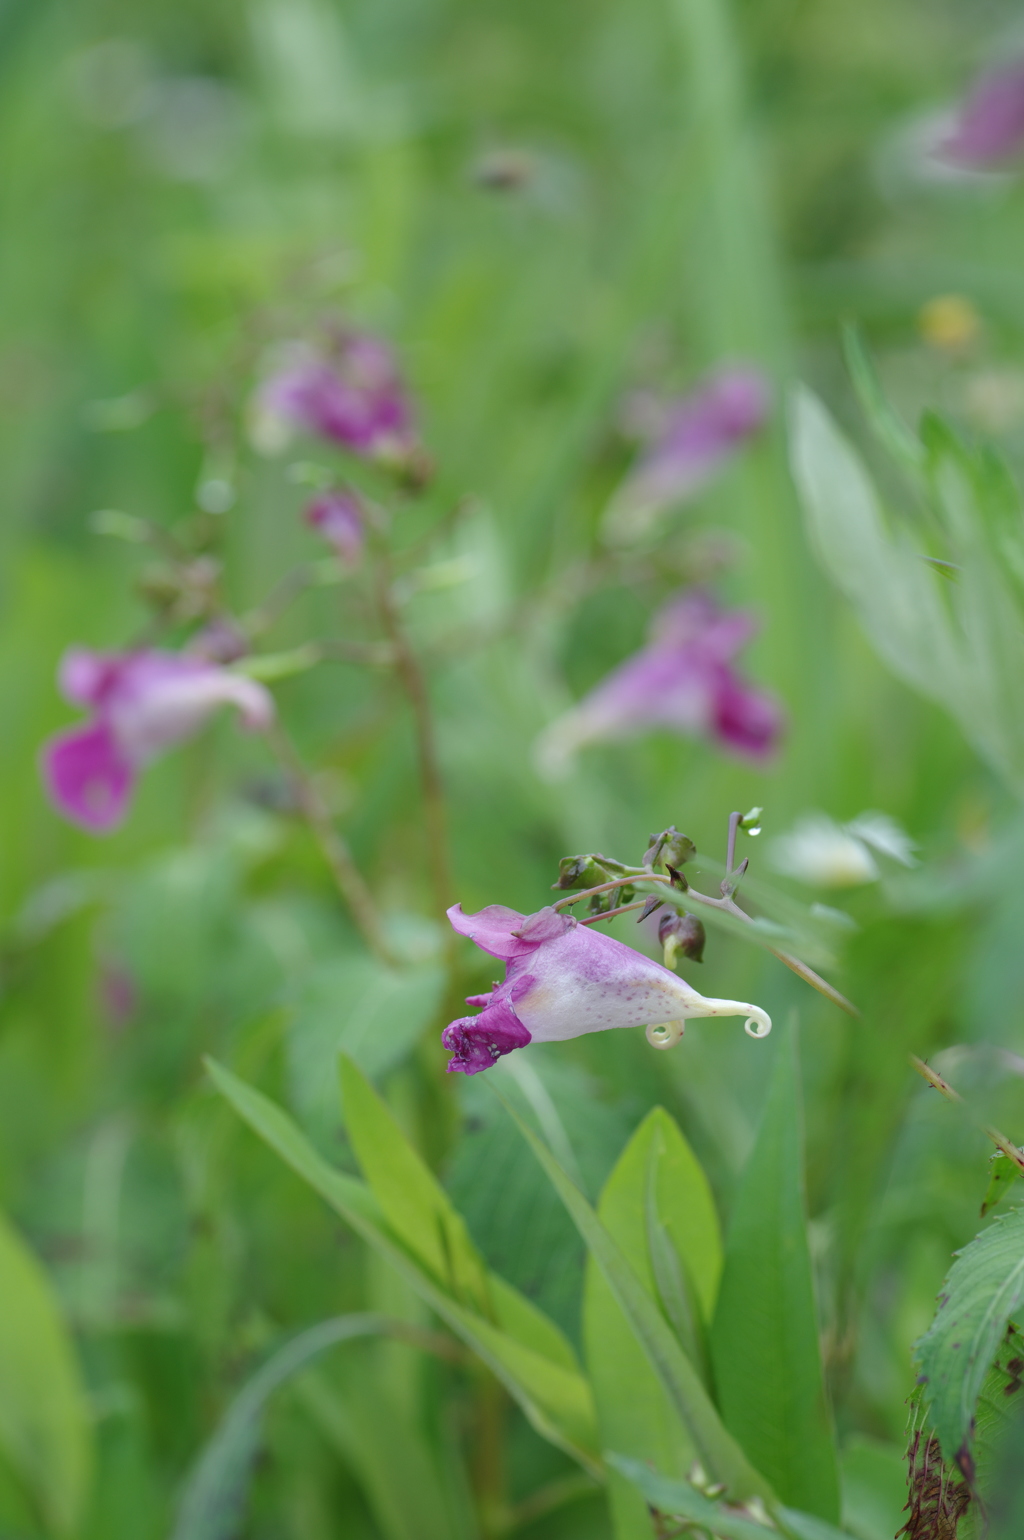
825	854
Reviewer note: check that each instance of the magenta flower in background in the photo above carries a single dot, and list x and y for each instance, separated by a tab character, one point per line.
989	126
350	392
338	516
691	438
141	703
683	680
563	979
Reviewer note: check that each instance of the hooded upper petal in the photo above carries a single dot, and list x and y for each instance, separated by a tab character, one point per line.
492	929
88	776
161	699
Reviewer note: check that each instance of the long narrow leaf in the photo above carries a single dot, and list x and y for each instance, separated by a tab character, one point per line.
719	1452
213	1504
556	1399
764	1339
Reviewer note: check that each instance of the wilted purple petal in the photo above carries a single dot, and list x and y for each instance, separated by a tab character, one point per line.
89	777
990	125
576	980
683	680
338	516
476	1042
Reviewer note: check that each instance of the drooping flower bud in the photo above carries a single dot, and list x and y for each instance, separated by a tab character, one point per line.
669	849
682	935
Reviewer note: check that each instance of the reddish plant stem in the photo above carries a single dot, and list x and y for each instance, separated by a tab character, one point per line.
414	682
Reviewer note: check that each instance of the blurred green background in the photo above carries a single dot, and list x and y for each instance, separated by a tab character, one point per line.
184	185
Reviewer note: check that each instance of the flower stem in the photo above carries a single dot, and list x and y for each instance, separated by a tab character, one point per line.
727	906
414	682
334	848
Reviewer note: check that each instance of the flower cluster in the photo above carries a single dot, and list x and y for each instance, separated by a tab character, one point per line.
683	680
349	392
563	979
140	704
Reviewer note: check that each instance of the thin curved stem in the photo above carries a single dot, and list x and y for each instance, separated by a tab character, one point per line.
349	879
727	906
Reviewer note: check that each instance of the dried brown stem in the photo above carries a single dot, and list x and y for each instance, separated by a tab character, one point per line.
935	1080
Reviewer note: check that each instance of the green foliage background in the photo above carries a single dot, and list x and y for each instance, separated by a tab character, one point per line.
708	182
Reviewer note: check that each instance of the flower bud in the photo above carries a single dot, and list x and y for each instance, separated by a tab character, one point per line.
581	872
669	848
682	934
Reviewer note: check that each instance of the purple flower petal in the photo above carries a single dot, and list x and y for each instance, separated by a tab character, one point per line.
698	434
477	1042
338	516
576	980
350	393
492	930
990	126
88	776
683	680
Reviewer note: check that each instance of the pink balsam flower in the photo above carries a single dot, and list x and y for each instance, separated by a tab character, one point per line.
989	126
338	516
683	680
563	979
141	703
349	392
694	437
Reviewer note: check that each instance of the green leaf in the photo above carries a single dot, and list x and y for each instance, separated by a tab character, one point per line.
983	1289
213	1503
552	1393
889	428
719	1452
45	1428
656	1170
892	589
1002	1175
414	1203
682	1500
356	1005
764	1338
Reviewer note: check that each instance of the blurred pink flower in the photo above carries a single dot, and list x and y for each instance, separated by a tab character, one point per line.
693	438
141	703
683	680
563	979
990	123
350	392
338	516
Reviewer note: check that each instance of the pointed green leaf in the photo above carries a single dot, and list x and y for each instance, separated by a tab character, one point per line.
764	1338
414	1203
555	1397
45	1429
982	1290
719	1452
656	1169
